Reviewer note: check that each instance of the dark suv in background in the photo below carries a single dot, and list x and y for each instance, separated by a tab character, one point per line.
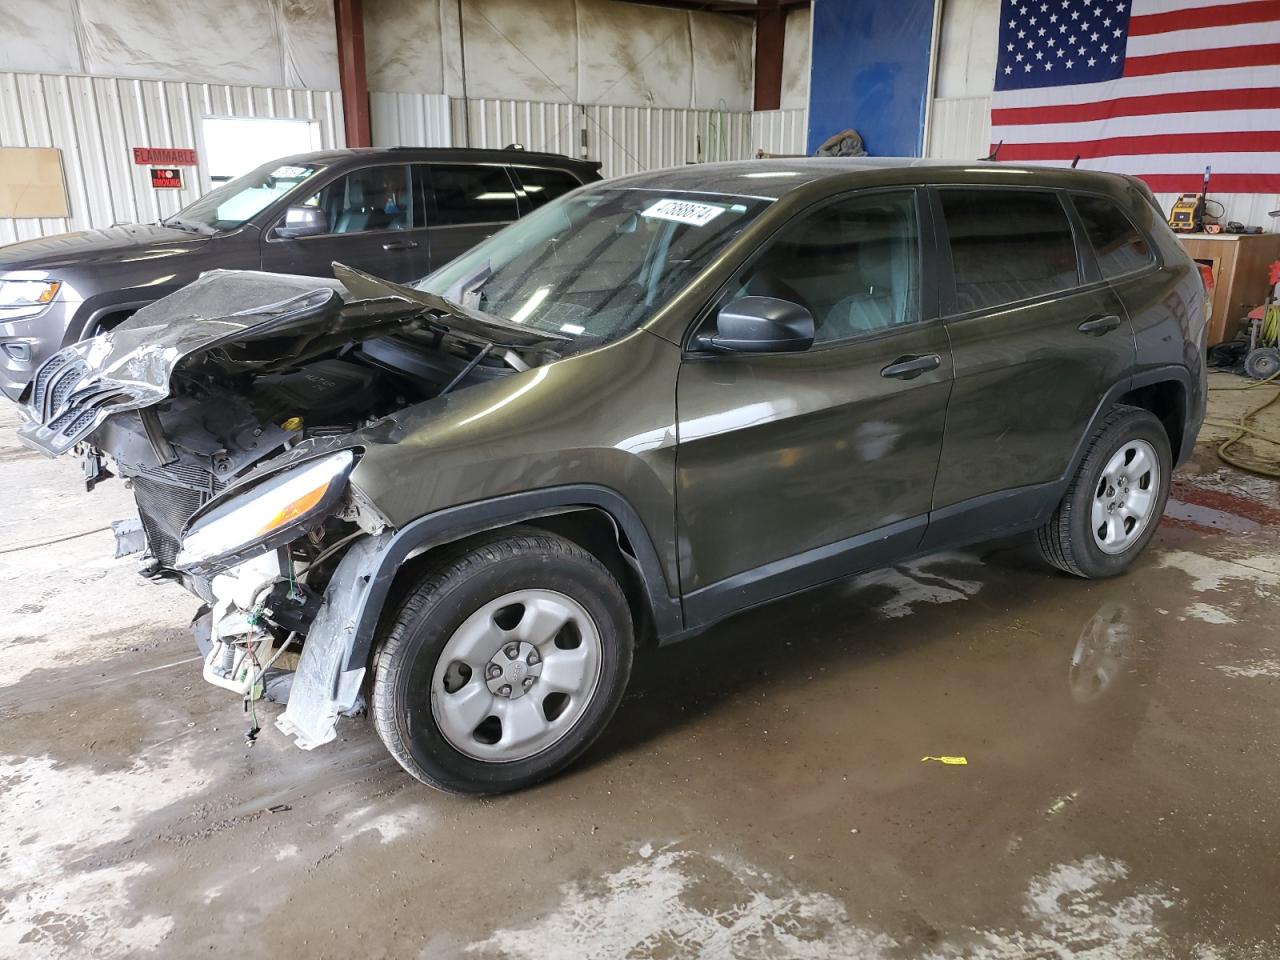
398	213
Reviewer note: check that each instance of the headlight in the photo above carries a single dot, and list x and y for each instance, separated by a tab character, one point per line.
27	293
270	514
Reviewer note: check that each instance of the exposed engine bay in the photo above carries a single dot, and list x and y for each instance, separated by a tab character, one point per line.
210	433
233	409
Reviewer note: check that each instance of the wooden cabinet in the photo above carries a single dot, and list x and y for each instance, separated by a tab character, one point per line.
1239	263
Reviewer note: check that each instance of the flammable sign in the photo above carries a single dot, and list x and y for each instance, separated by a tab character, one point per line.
166	178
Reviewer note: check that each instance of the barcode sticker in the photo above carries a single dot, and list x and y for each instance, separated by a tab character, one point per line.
684	211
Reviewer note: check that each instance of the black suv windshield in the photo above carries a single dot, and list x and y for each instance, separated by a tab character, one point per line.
241	199
597	262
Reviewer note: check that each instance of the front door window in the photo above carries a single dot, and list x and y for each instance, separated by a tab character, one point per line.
854	264
375	198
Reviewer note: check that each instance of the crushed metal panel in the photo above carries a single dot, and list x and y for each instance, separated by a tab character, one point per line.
324	688
130	537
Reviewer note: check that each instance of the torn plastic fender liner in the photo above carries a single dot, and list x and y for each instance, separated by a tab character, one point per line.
327	682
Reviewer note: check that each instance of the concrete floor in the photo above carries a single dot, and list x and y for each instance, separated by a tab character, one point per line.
761	792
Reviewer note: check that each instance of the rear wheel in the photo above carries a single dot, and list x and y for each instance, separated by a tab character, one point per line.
503	664
1114	503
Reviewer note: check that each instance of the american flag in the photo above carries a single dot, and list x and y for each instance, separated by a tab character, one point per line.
1155	88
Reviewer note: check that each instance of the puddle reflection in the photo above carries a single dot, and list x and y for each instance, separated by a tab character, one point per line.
1099	654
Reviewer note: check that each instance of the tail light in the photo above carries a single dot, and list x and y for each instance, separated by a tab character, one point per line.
1206	278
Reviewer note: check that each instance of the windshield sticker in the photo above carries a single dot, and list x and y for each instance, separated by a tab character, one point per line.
684	211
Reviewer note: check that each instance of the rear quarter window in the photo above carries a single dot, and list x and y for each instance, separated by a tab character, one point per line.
1119	245
540	185
1008	245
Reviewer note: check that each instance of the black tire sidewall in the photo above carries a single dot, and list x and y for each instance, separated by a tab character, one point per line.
1258	360
1139	425
428	629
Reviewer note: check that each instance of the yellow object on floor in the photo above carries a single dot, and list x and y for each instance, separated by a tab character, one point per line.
955	761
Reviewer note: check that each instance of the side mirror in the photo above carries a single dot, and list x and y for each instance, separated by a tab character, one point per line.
302	222
760	325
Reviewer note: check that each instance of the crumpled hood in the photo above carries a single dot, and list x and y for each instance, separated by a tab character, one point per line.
228	322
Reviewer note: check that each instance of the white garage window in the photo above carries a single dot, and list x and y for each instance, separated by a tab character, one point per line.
236	145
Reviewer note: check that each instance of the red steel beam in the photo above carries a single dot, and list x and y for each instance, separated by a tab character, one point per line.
771	31
348	16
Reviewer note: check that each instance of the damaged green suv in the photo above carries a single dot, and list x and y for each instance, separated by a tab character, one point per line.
651	404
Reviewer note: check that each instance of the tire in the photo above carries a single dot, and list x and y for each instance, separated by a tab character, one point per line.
453	636
1070	541
1262	362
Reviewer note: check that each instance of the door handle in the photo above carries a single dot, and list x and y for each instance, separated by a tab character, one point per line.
401	245
1097	326
908	368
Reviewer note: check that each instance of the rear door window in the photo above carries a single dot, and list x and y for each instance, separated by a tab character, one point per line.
472	194
540	185
1008	245
1119	246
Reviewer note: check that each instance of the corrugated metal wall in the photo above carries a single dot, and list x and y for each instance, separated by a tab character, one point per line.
623	139
779	131
552	127
410	120
96	122
960	128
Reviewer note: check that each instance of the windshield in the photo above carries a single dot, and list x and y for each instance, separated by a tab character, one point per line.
595	263
233	203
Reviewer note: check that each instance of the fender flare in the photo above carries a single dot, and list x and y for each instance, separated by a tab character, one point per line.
1191	417
1144	378
106	310
336	653
454	523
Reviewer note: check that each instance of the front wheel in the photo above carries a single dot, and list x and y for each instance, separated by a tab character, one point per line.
503	664
1114	503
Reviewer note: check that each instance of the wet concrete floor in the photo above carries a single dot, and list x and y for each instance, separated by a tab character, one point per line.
761	792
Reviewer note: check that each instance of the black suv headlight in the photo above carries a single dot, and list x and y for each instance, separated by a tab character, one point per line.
269	514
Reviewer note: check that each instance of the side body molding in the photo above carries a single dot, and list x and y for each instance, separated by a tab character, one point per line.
336	654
